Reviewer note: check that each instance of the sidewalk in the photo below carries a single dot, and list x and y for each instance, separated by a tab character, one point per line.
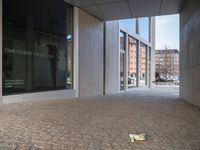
102	123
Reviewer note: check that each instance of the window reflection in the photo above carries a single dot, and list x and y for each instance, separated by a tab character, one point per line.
132	62
122	40
144	28
143	64
122	59
37	46
129	24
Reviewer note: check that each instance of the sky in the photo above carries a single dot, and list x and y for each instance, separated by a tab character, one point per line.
131	25
167	32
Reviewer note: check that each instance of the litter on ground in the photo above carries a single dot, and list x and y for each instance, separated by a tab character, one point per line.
137	137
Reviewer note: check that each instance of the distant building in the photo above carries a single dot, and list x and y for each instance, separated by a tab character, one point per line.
167	63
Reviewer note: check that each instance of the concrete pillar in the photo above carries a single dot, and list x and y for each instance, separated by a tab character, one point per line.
112	56
147	66
76	51
1	12
126	65
149	69
91	52
137	26
150	40
152	52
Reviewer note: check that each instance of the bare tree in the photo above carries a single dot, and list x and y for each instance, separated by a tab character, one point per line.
167	63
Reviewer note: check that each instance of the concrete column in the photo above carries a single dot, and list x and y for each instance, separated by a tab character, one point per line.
1	12
76	51
147	66
137	26
104	59
150	40
150	75
152	52
112	56
126	64
91	52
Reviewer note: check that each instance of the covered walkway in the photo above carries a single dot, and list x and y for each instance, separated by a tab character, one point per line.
102	123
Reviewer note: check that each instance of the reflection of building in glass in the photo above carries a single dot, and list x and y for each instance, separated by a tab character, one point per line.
122	59
142	60
144	27
143	63
132	57
167	63
132	61
130	24
138	44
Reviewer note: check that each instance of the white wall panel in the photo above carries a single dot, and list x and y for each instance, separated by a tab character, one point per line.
91	50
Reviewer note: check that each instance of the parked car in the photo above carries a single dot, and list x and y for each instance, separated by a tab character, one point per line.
177	82
131	80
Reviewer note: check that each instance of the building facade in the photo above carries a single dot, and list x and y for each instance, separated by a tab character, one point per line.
167	63
53	50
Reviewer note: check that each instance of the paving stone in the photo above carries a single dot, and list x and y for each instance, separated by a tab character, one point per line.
102	123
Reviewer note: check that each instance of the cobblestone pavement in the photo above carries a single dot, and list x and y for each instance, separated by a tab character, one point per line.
102	123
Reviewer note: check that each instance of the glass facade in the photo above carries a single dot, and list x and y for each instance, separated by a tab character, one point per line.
132	62
138	67
122	40
122	59
130	24
144	28
37	46
143	64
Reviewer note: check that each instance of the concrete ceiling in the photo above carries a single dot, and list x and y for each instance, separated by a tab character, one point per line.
124	9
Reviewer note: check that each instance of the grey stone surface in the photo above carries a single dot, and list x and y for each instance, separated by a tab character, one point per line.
49	95
112	68
91	49
190	53
102	123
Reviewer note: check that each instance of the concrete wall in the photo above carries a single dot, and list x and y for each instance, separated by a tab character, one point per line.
76	50
190	52
91	51
1	50
112	57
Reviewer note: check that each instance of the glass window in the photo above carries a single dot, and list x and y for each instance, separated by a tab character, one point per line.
129	24
122	71
143	64
37	46
144	28
132	63
122	40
